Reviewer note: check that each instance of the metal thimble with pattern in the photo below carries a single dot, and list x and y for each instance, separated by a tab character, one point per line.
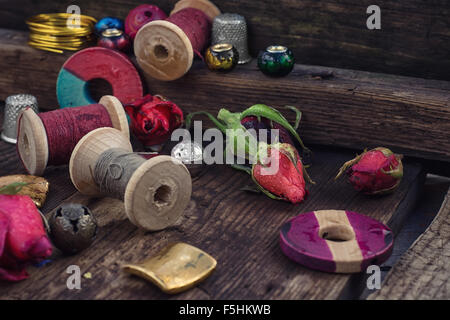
232	28
13	106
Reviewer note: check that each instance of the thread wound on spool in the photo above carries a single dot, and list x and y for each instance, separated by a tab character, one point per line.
114	169
65	127
196	25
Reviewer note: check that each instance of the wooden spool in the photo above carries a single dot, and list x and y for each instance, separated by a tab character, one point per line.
32	143
157	192
336	241
162	48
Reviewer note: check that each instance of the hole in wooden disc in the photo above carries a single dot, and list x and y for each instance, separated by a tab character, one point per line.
148	13
160	52
162	195
337	233
98	88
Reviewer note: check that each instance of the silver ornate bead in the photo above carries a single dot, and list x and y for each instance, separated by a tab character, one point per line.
232	28
188	152
13	106
73	228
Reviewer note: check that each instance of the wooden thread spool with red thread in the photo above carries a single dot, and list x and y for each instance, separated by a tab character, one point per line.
155	191
164	50
39	137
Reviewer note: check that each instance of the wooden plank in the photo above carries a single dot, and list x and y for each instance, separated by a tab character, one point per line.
423	272
239	229
413	40
349	109
32	71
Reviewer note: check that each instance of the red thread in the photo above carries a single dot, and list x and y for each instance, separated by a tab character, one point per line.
196	25
65	127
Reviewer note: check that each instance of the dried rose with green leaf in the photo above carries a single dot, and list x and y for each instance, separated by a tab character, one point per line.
280	173
376	171
286	179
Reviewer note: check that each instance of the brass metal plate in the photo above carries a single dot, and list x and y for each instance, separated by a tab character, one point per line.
176	268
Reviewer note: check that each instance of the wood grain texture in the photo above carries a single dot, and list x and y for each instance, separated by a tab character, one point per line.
349	109
413	40
343	108
239	229
423	272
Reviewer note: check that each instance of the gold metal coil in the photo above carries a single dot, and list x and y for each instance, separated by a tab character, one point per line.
50	32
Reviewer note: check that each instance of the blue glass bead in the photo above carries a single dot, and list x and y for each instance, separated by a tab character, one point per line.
108	23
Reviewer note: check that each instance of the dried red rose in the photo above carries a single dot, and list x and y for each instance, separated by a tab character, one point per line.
376	171
153	119
23	239
286	182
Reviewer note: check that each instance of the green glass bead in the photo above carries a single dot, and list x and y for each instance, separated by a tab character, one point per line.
276	61
221	57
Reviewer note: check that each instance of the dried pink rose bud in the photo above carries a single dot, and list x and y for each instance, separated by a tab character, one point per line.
287	183
23	239
375	171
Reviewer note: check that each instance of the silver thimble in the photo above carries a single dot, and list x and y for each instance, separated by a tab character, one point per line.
231	28
13	106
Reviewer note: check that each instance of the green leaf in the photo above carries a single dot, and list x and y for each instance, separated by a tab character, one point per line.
241	138
250	189
222	127
242	168
262	110
298	115
13	188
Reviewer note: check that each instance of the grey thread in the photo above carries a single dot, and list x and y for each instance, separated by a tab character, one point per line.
113	171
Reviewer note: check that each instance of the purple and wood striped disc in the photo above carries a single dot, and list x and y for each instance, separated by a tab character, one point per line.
336	241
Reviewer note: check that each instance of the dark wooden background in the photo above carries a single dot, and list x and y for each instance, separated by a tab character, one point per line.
348	109
414	38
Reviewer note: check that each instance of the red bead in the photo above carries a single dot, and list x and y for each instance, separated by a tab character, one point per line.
141	15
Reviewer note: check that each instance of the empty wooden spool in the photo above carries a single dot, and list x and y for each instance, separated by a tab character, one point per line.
32	143
162	48
158	191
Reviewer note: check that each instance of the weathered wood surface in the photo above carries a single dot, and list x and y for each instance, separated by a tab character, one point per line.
413	40
349	109
423	272
239	229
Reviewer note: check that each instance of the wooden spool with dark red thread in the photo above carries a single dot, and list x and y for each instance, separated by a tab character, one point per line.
33	143
163	49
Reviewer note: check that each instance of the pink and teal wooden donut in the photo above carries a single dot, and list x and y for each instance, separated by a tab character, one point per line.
72	86
336	241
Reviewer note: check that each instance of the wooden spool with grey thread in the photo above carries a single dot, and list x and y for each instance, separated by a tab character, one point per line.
155	191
